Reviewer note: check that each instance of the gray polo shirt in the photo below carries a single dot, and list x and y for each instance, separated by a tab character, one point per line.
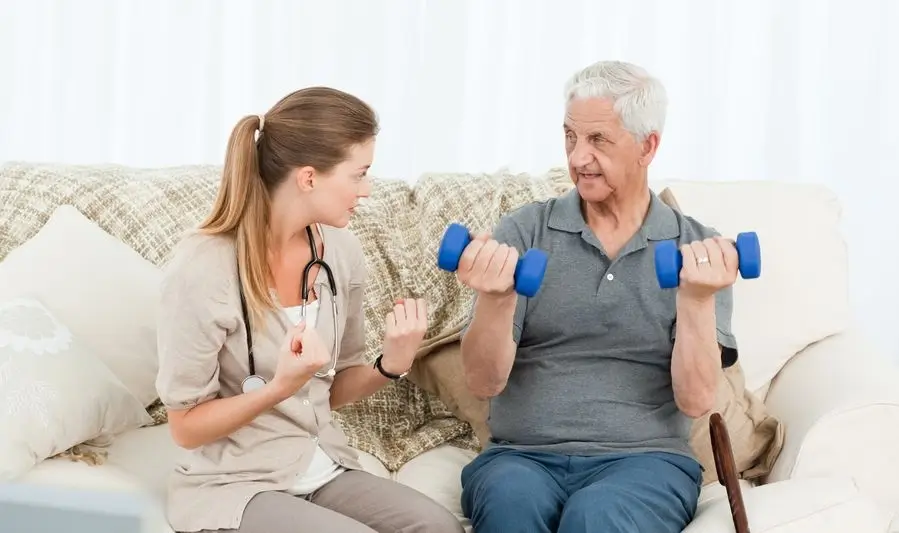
592	372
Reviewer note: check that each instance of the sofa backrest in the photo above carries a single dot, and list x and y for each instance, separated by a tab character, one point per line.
801	297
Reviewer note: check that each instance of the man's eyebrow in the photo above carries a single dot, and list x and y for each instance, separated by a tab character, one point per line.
593	134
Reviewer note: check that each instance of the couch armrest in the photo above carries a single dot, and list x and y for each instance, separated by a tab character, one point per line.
839	402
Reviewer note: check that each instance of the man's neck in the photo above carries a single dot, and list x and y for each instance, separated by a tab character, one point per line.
618	212
615	220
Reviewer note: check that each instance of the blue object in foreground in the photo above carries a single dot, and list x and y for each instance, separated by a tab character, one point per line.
529	270
669	260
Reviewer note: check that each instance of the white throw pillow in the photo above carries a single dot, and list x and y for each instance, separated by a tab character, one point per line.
53	393
104	291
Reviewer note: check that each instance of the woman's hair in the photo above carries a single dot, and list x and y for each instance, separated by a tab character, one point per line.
313	127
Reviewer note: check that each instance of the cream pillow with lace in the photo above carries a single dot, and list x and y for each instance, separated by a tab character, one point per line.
54	394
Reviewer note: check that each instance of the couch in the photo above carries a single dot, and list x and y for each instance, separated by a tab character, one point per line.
812	408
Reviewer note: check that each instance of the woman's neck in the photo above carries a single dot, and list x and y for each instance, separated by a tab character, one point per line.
286	229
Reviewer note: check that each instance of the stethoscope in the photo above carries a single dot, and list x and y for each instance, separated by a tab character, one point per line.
255	381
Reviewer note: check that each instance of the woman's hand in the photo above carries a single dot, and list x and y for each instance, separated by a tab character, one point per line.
405	328
302	355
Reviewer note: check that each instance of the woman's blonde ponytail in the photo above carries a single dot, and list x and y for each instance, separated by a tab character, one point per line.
241	208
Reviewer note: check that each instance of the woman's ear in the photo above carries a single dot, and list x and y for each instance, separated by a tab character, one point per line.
304	177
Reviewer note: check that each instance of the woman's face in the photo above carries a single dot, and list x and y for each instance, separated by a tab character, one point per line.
336	194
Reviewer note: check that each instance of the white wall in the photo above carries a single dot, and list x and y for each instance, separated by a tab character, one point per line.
778	90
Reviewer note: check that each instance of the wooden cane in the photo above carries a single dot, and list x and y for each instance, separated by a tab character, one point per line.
727	471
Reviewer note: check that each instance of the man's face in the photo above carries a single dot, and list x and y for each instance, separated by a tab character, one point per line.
603	157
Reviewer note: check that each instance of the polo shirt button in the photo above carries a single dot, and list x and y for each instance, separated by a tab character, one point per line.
305	402
610	277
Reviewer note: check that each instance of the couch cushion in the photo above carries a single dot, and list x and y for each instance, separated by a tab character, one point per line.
823	505
436	473
98	287
756	437
54	392
440	372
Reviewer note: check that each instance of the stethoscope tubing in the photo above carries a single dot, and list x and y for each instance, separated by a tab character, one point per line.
253	380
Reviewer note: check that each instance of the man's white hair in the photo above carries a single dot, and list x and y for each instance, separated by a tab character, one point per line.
638	98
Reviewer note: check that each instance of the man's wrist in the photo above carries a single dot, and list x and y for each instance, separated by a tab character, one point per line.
494	303
695	306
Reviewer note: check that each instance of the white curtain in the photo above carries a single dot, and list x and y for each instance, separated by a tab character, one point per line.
795	90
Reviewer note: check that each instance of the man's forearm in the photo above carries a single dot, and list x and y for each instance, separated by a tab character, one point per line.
696	362
488	349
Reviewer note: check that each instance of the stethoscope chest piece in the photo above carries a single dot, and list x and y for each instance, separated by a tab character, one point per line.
252	383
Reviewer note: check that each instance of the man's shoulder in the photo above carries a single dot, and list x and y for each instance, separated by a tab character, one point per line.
692	229
528	217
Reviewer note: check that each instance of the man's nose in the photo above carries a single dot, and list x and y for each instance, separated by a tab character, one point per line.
581	155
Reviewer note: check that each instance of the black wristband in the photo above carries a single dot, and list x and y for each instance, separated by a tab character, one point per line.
385	373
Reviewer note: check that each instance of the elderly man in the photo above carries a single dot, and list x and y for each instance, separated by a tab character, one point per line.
594	381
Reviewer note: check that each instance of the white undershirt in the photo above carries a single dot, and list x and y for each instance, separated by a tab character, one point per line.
322	469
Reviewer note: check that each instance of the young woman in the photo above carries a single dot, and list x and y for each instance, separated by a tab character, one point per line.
261	336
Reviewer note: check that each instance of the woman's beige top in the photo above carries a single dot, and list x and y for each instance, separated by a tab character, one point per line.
202	347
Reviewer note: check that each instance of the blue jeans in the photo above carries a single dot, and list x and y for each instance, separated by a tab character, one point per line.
508	491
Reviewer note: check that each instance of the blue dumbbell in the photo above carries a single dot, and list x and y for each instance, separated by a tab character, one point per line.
669	260
529	270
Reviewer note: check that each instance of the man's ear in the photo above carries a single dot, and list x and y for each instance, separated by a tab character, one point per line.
648	148
304	178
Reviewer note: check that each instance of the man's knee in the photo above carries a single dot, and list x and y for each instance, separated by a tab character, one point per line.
511	488
617	506
601	508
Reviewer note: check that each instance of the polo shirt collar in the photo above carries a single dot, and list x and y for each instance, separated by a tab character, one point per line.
660	223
